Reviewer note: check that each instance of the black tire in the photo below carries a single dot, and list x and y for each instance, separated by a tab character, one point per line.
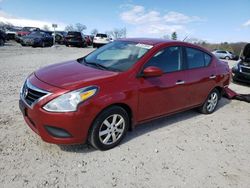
99	126
84	44
205	109
1	42
94	45
43	44
227	58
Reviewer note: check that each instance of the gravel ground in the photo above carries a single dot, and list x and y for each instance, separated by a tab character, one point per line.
184	150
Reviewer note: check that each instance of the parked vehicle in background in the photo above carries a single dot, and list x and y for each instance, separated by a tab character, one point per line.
234	56
223	54
37	38
97	98
2	37
60	36
241	71
11	33
74	38
25	31
88	40
100	40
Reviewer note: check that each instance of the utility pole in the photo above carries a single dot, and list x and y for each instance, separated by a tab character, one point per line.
54	38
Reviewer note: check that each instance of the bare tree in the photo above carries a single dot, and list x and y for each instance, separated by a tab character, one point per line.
118	33
80	27
6	25
94	32
69	28
46	27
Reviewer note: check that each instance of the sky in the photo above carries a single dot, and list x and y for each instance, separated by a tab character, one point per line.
212	21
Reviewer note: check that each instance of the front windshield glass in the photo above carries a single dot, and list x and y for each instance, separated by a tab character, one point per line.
117	56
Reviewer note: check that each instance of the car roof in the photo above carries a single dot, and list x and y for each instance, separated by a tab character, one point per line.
149	41
159	41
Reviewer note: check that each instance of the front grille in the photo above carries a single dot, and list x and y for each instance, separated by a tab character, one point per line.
31	94
245	69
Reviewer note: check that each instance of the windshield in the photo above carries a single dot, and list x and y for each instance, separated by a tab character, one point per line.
117	56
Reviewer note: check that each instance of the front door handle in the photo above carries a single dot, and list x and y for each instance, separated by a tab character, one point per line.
212	76
180	82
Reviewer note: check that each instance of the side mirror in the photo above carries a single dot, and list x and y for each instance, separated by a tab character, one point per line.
152	71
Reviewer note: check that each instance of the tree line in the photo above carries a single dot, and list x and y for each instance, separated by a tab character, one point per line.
115	33
235	47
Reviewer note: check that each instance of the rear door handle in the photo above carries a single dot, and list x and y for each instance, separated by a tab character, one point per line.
212	77
180	82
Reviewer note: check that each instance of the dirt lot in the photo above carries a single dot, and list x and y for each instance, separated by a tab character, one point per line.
184	150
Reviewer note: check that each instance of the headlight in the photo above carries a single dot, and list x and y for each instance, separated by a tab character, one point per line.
235	67
68	102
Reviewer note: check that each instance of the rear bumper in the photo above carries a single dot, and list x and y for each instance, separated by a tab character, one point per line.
101	42
75	43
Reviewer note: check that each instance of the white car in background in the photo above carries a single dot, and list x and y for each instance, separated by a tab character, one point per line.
223	54
100	40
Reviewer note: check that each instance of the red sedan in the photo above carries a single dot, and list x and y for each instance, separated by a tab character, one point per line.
99	97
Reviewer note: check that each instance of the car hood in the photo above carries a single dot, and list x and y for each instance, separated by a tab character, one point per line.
73	75
246	51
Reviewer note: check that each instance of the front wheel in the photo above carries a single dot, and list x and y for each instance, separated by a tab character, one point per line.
109	128
211	102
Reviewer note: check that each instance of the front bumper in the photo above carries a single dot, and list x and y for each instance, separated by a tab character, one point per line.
57	128
241	76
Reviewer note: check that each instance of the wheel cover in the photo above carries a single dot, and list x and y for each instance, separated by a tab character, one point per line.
112	129
212	102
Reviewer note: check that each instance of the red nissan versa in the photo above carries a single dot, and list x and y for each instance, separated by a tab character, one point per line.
99	97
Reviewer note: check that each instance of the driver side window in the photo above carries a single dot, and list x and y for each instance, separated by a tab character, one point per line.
168	59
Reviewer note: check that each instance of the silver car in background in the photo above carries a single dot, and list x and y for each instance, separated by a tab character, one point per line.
223	54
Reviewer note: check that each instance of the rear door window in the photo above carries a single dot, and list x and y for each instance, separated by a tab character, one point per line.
196	58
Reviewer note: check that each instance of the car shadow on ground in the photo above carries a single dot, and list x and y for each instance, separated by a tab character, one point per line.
146	128
241	83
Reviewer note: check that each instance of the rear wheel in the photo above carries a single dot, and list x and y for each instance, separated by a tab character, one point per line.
109	128
43	44
227	58
1	42
211	102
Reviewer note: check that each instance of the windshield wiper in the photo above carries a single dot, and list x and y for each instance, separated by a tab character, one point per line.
99	65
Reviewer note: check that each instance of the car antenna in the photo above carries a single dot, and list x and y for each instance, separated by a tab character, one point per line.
185	38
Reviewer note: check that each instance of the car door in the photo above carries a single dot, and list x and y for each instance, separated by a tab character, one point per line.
201	75
167	93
